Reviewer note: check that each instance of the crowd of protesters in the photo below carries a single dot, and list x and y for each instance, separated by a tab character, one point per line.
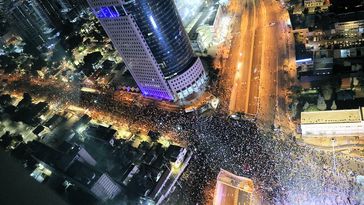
283	171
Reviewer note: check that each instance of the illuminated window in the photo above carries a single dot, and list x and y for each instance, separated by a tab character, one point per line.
153	22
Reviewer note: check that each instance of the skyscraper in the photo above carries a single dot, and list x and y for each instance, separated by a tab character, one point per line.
150	37
61	11
3	22
79	6
32	23
57	10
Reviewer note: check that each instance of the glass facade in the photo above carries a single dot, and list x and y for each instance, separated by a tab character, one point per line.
151	39
164	33
33	24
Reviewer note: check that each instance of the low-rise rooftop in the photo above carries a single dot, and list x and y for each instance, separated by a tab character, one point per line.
332	116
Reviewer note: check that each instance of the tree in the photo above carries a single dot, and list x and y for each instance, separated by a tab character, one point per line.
321	105
306	105
294	110
92	58
8	64
106	65
72	42
295	89
38	64
327	91
312	108
333	106
27	97
355	81
5	100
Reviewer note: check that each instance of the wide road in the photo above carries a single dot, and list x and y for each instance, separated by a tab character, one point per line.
277	66
252	101
261	62
241	57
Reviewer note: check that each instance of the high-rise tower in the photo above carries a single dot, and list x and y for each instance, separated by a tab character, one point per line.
32	23
38	21
150	37
62	11
57	10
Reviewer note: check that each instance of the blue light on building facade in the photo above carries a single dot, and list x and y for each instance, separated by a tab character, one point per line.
107	12
150	36
155	94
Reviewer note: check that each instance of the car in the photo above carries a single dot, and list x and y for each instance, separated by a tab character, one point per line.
272	23
236	116
204	108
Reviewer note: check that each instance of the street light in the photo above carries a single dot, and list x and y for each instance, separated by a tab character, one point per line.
333	154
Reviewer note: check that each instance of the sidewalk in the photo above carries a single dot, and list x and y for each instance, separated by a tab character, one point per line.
347	145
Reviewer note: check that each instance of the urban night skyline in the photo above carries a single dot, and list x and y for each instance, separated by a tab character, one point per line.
221	102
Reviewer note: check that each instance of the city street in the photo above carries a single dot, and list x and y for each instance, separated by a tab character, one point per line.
276	75
260	62
239	130
241	58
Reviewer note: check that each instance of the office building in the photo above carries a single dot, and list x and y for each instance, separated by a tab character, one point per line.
62	11
150	37
81	5
76	165
188	9
105	188
3	4
32	23
206	29
57	10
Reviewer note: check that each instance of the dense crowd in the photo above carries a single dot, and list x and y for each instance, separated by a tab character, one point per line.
283	171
